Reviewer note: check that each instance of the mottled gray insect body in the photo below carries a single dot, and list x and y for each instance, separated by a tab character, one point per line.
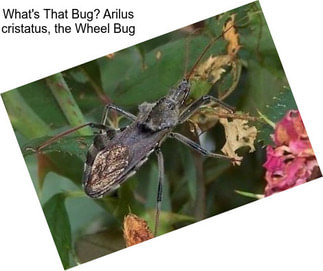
116	155
113	157
119	157
165	113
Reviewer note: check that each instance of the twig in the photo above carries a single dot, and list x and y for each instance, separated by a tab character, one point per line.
67	103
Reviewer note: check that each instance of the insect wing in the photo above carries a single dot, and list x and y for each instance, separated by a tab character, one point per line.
107	168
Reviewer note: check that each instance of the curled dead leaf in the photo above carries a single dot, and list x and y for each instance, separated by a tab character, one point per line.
204	119
211	69
231	35
238	134
135	230
208	116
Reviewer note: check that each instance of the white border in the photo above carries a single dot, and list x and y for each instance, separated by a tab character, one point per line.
283	232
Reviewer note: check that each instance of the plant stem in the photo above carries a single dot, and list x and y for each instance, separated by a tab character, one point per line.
67	102
200	201
266	119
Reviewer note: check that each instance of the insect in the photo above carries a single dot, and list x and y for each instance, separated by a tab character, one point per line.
116	154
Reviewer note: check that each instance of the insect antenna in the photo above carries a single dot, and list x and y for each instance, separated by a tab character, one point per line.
67	132
60	135
206	48
187	46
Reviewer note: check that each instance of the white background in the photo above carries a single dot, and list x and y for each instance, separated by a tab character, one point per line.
282	232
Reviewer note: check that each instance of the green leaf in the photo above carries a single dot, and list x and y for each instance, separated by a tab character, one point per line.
114	71
65	165
91	246
86	89
86	84
23	117
264	76
59	225
91	72
65	157
199	88
130	82
39	97
71	145
275	110
261	87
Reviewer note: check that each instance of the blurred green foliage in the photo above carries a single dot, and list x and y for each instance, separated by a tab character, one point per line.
84	228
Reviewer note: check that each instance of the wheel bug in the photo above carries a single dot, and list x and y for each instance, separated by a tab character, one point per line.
116	154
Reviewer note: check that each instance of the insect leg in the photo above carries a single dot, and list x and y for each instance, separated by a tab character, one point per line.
117	109
65	133
188	142
193	107
161	177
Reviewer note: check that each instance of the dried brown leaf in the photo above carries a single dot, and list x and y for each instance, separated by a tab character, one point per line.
238	134
212	68
135	230
231	35
204	119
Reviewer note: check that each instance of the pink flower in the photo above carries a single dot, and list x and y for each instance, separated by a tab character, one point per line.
292	161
